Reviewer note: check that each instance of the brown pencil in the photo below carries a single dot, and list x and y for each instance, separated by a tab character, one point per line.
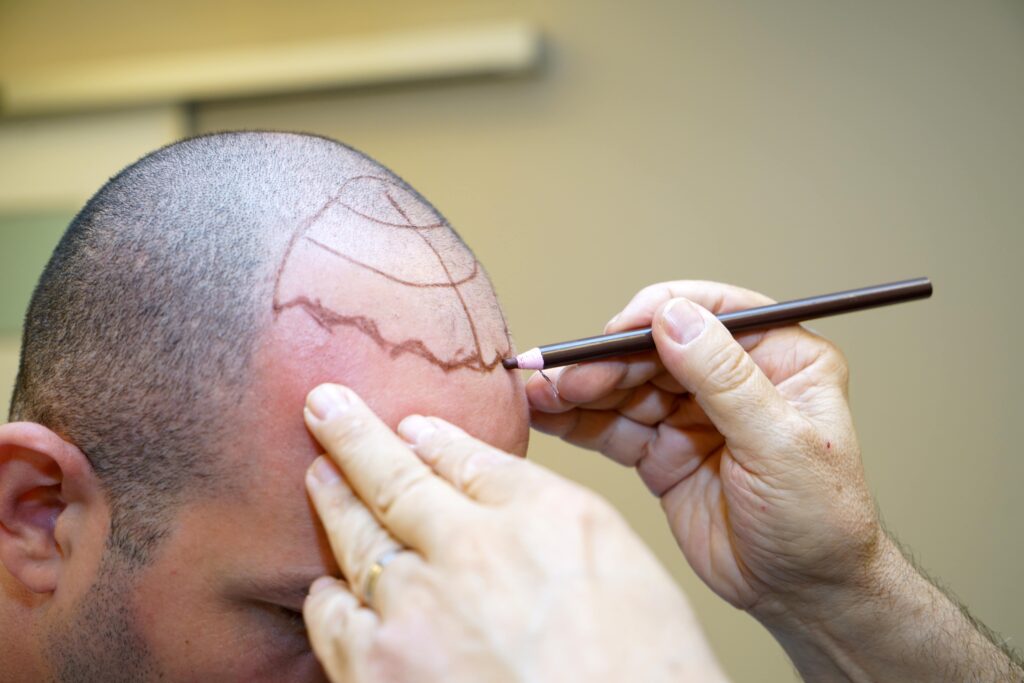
775	315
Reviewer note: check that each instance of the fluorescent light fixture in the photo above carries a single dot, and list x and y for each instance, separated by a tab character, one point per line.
365	60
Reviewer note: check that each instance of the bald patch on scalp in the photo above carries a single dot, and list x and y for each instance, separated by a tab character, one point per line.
377	227
142	331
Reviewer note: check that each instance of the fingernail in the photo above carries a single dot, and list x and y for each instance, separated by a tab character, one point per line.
612	322
324	472
327	401
320	584
416	429
683	321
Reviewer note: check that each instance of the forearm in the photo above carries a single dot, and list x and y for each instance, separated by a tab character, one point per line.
896	625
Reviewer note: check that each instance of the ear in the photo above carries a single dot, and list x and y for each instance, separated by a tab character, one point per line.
42	478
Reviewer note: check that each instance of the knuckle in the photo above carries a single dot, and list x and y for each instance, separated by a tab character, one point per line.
648	299
837	363
364	545
467	465
659	291
334	612
405	484
728	369
571	425
446	443
336	509
830	359
488	469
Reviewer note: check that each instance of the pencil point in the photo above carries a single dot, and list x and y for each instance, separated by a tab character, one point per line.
530	360
510	363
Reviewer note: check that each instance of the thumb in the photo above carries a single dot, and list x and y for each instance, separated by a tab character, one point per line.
737	397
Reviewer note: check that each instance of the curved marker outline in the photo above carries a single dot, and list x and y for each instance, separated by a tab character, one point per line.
329	319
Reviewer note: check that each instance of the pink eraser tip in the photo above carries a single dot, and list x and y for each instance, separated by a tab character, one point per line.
531	360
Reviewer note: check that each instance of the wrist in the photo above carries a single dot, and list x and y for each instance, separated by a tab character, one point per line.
889	623
826	628
811	603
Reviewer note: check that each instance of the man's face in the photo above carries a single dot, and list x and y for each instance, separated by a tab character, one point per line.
411	324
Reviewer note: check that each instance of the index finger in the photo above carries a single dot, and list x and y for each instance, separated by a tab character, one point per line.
595	385
593	382
414	504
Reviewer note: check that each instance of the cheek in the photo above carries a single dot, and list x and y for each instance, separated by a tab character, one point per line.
198	626
192	640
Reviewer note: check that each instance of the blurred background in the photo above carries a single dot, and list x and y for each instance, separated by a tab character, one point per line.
586	148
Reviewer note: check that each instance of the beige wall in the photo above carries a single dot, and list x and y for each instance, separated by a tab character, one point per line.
8	371
794	147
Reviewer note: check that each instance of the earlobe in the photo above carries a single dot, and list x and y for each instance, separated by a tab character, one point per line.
41	475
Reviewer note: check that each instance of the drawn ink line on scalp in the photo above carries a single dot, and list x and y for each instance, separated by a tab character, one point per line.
299	231
389	276
444	266
329	319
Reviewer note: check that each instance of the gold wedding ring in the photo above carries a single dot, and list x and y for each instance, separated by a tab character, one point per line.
374	574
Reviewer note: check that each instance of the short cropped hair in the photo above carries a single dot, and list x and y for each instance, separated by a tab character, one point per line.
138	339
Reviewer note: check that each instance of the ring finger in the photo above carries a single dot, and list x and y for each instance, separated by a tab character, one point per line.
357	539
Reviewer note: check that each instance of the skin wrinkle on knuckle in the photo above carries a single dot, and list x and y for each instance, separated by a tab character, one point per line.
615	445
364	544
601	431
838	366
728	370
437	444
405	484
647	300
334	507
640	370
649	405
471	465
649	448
334	520
667	382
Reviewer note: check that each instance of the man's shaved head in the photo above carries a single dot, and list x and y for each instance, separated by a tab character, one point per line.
142	332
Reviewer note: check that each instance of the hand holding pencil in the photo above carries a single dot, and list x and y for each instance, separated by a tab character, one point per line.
761	317
748	442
